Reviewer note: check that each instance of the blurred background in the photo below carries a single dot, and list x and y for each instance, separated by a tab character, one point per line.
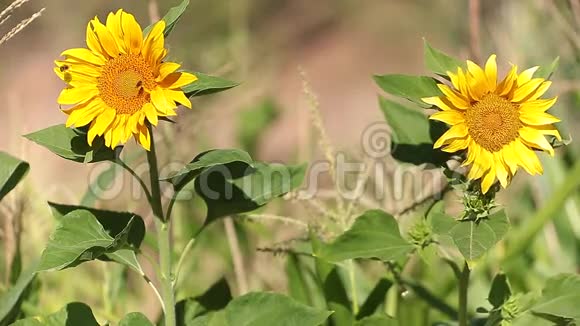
272	48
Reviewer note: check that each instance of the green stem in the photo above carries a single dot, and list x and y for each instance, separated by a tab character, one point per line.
163	237
463	286
351	275
522	239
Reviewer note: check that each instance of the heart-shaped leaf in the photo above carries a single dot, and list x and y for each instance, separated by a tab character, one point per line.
238	188
439	62
12	170
413	144
71	144
81	237
413	88
474	239
375	234
264	308
75	313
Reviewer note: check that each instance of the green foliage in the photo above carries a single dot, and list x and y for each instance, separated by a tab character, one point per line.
12	171
412	145
81	237
374	300
192	311
413	88
439	62
500	290
73	314
135	319
377	321
546	71
206	84
375	234
11	300
71	144
238	188
171	18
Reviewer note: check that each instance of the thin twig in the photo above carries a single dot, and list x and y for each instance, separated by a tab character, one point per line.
13	6
238	261
184	253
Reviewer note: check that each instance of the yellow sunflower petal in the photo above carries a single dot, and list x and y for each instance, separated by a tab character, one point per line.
538	105
133	33
527	89
506	86
113	24
100	124
450	117
491	72
537	118
154	42
488	179
501	170
536	139
479	84
151	113
160	101
549	131
106	39
440	102
178	80
457	131
167	68
93	42
84	55
177	96
143	137
77	95
456	145
455	98
526	75
539	91
510	159
527	158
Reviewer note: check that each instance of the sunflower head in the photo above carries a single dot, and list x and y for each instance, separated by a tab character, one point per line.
120	82
500	123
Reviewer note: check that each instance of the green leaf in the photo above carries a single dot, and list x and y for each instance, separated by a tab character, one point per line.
263	308
546	71
238	188
170	18
375	299
215	298
254	122
439	62
413	88
475	239
12	299
135	319
12	170
500	290
206	84
375	234
75	313
206	160
377	321
71	144
560	297
413	134
81	237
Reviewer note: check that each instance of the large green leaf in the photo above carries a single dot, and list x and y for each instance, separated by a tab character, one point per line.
264	308
12	299
170	18
413	88
80	237
135	319
375	234
474	239
12	170
439	62
71	144
72	314
206	160
413	134
193	311
206	84
377	320
238	188
500	290
546	71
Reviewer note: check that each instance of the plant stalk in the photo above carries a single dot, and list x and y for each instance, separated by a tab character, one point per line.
463	287
163	237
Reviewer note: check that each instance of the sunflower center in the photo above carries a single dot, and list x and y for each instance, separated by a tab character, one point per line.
124	81
493	122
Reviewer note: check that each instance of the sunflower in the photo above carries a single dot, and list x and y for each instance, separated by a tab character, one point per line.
120	83
500	124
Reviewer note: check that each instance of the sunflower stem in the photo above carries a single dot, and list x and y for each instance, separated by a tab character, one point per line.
163	237
463	286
